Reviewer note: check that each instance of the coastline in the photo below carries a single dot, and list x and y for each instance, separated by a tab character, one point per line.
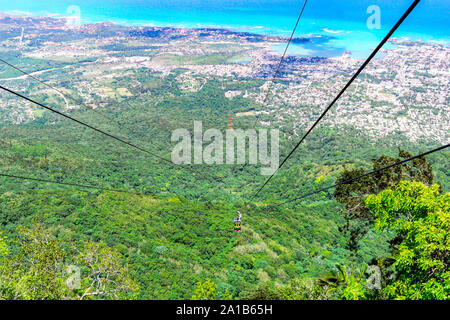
104	51
259	23
329	43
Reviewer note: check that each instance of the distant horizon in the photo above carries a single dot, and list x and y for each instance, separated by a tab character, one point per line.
430	15
344	23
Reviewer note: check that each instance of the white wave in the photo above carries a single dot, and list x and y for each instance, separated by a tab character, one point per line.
332	31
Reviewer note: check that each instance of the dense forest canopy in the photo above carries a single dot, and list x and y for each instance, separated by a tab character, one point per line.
150	229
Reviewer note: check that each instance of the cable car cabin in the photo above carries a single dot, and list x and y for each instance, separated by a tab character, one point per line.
237	224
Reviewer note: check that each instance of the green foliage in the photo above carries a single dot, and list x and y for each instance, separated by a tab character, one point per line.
264	291
104	274
170	246
207	290
227	295
295	289
359	220
352	287
3	246
36	271
304	290
175	229
421	219
39	270
345	283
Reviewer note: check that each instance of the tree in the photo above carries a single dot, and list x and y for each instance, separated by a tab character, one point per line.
304	290
3	247
264	291
34	274
345	283
105	275
421	251
207	290
40	270
358	218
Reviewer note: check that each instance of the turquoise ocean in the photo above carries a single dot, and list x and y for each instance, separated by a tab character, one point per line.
336	25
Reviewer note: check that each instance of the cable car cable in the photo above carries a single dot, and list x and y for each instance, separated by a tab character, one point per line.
68	96
369	173
61	183
102	132
366	62
281	61
85	124
65	95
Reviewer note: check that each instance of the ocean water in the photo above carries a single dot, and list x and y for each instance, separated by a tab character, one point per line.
335	25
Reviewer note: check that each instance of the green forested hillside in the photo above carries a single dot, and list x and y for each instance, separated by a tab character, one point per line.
174	228
163	231
171	244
